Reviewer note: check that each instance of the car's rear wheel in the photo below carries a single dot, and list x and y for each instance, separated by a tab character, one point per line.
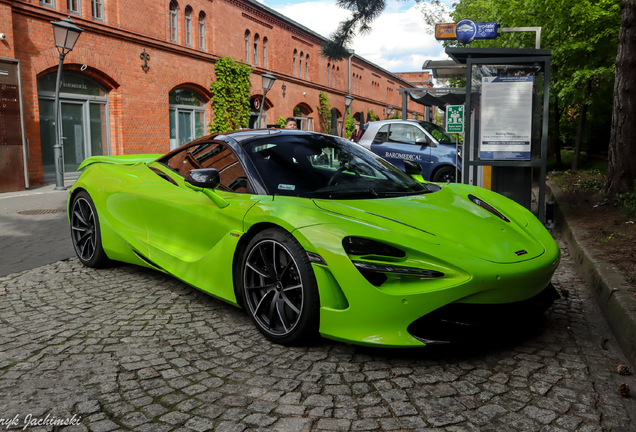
85	232
445	174
279	288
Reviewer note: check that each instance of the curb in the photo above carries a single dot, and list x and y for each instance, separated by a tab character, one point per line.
608	287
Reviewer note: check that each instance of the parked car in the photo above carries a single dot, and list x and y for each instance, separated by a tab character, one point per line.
423	142
313	234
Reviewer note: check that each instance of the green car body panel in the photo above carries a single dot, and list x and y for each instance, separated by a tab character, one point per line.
148	220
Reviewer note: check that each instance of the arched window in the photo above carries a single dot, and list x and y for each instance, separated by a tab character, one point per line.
307	67
173	22
337	73
202	31
329	74
264	52
300	65
247	46
188	26
333	75
295	55
256	38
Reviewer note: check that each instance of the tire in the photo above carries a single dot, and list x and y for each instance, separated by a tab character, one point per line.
445	174
85	232
279	288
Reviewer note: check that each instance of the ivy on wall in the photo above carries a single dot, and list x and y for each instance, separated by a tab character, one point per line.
350	126
281	122
373	116
324	112
230	95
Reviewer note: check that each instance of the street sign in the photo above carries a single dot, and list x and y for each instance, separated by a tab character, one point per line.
455	118
466	31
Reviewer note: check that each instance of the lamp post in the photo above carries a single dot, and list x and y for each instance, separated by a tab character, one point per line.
348	101
66	34
268	82
389	110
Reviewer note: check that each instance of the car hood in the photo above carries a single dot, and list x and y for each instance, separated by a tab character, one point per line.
447	216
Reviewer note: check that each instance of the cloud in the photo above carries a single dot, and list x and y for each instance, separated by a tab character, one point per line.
399	42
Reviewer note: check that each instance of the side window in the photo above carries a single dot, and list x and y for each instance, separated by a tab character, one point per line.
212	155
382	136
404	133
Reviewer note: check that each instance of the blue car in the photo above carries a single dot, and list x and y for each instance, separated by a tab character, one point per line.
423	142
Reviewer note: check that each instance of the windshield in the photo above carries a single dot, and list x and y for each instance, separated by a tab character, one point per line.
438	133
322	166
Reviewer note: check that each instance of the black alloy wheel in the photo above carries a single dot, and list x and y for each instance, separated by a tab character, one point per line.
279	288
85	232
445	174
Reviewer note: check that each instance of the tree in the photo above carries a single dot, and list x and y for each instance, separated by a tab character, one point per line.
324	112
230	95
621	167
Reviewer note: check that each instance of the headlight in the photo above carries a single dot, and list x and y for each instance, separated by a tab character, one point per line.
361	246
379	268
483	204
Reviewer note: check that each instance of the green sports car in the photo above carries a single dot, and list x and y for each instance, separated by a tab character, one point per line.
312	234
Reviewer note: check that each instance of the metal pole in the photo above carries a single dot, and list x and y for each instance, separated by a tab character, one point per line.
260	113
456	155
57	148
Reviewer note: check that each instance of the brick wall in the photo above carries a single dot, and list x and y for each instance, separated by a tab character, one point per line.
109	52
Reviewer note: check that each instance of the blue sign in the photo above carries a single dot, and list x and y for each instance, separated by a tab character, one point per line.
466	31
487	30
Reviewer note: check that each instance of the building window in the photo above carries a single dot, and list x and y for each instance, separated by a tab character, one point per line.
300	65
337	73
307	67
173	21
264	52
187	116
73	6
295	55
247	46
202	31
49	3
98	9
188	26
256	38
329	74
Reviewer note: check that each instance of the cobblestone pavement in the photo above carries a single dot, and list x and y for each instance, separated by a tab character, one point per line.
128	348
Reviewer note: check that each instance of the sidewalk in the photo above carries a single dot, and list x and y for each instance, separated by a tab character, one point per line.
607	286
32	240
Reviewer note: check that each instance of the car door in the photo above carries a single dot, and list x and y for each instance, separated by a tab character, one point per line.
397	141
188	234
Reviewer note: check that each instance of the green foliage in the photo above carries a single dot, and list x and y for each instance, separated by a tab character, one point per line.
373	116
297	112
627	201
324	112
350	125
230	95
281	122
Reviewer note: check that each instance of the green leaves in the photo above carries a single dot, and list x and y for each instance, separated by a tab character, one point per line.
324	112
230	95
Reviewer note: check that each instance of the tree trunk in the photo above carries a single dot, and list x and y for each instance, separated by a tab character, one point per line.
581	129
621	167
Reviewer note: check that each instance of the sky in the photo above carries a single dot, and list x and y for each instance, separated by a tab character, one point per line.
400	40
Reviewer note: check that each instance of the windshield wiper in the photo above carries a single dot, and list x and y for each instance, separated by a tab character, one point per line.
403	193
343	194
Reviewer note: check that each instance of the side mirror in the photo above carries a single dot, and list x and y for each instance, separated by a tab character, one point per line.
425	141
412	167
207	178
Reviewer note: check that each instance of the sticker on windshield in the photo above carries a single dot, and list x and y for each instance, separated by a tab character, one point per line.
286	187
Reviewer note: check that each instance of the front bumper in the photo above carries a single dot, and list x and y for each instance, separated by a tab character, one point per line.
457	322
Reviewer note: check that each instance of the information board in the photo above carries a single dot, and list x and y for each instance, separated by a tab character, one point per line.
506	118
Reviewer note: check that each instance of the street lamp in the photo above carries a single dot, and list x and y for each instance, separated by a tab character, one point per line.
389	110
268	82
348	101
66	34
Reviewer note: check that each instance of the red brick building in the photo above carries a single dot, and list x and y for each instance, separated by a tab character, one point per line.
138	78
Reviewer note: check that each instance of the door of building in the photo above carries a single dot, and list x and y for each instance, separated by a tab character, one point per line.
84	114
12	166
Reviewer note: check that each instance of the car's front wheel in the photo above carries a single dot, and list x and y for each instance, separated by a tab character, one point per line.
445	174
279	288
85	232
